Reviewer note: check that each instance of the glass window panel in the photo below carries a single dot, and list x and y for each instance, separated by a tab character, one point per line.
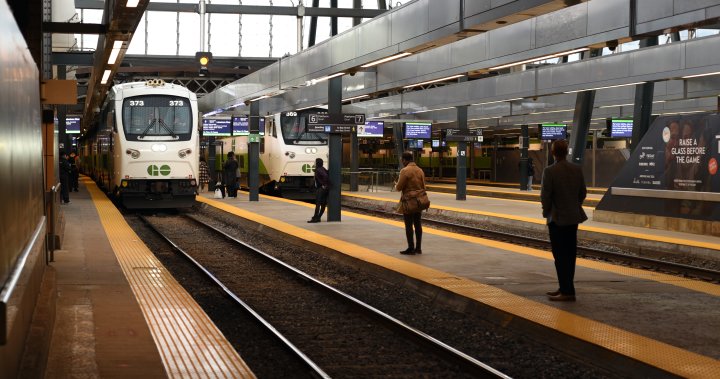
189	33
137	44
224	35
162	33
255	38
284	35
89	16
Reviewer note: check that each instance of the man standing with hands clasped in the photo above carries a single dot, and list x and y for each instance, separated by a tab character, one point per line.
562	194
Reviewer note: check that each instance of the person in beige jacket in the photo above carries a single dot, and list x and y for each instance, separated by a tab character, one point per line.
411	179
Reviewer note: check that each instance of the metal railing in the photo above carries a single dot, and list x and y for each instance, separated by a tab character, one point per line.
371	180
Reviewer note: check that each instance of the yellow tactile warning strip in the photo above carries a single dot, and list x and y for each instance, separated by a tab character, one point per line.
660	238
666	357
189	343
694	285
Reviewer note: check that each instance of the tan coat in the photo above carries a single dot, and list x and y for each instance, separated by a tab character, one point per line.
411	179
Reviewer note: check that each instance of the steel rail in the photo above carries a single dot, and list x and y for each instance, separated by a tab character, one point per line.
289	345
467	362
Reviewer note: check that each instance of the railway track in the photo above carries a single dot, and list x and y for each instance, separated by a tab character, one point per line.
333	334
540	243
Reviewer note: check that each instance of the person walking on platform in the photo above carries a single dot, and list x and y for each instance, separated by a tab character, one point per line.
230	169
531	173
204	174
410	182
64	172
75	173
562	194
322	188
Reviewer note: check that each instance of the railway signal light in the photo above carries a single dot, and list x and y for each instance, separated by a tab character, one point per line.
203	59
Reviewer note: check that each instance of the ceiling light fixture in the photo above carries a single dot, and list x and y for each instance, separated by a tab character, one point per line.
117	45
388	59
105	77
540	58
499	101
597	88
435	81
356	97
700	75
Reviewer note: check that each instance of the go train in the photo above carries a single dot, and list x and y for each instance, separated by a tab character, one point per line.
145	149
287	155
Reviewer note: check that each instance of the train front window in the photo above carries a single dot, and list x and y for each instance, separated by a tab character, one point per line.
157	117
294	132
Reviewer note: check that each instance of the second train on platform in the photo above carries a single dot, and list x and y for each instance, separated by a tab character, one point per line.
287	154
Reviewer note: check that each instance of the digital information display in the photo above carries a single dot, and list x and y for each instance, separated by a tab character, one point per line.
371	129
621	128
417	130
553	131
216	127
416	144
241	126
72	125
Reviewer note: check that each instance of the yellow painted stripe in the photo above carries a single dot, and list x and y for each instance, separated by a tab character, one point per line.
622	233
659	354
190	344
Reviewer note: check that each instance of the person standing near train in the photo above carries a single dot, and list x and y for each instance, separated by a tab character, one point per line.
65	171
204	175
230	169
411	183
562	194
322	189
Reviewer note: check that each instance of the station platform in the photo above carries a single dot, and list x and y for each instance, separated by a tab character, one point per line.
647	319
527	214
118	312
505	192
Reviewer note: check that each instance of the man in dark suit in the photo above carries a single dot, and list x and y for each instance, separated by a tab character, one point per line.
562	194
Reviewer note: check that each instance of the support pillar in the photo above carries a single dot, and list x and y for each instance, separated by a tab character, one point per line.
581	125
524	144
461	173
643	103
254	152
335	163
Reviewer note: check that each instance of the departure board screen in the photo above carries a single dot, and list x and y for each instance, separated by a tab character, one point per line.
417	130
551	132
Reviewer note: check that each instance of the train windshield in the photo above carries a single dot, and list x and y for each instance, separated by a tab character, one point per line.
157	117
294	132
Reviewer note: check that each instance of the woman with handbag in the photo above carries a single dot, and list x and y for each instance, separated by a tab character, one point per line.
411	184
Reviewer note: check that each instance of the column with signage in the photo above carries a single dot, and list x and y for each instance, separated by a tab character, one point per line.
335	124
581	124
643	103
254	151
461	173
335	141
524	144
354	162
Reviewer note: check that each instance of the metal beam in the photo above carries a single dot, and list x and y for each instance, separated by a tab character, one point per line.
73	28
72	59
245	9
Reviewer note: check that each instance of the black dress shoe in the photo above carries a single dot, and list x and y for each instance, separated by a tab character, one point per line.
553	293
418	251
562	297
313	220
408	252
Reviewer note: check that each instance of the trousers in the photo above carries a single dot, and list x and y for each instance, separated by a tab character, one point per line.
563	240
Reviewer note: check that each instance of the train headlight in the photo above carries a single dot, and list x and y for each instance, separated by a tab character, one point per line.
290	154
184	152
158	147
135	154
311	150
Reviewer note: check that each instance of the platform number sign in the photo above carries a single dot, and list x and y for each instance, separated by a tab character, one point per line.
154	170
